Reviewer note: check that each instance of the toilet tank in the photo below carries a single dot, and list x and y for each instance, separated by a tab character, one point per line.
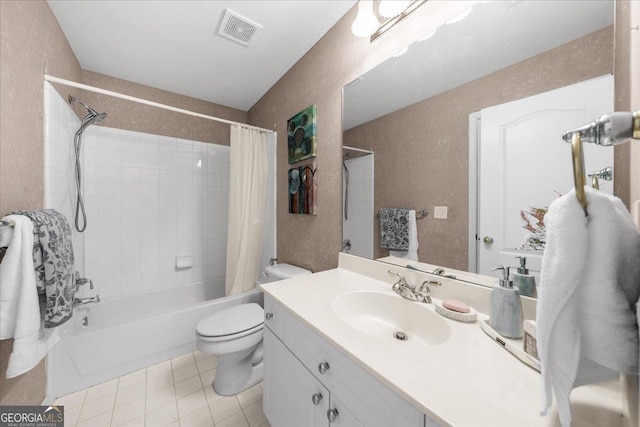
283	271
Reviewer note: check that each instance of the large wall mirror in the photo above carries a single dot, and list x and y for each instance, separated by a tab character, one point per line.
471	117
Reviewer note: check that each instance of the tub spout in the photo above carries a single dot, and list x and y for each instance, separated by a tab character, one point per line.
82	301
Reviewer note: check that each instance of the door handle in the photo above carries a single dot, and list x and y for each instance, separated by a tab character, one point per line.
488	240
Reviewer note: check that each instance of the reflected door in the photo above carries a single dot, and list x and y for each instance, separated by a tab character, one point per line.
524	165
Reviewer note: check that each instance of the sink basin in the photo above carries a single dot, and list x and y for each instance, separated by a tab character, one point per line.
381	316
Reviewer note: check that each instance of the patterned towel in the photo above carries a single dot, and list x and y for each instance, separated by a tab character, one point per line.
394	229
53	261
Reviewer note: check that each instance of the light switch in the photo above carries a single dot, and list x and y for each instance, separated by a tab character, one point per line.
440	212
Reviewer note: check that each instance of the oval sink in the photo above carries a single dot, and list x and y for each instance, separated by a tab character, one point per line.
382	316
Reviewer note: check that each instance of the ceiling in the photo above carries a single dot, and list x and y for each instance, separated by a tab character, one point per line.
174	45
491	37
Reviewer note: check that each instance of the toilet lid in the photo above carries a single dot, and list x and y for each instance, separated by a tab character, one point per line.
231	321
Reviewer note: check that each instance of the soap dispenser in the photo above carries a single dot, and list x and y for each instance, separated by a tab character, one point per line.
506	308
525	282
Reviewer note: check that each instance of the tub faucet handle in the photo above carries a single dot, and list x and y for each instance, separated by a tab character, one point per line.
82	282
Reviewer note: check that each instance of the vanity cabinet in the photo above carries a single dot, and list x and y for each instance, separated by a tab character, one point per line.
309	382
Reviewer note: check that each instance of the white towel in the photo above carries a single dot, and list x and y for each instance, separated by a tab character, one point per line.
635	213
589	284
19	306
412	253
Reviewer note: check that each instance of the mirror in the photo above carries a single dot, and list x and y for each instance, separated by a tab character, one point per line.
470	118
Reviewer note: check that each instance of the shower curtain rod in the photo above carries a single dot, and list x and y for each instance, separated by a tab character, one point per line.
54	79
357	149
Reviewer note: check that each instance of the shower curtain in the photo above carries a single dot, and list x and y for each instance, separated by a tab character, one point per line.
247	203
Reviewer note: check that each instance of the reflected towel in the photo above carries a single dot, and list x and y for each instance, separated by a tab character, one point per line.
589	285
412	252
394	228
19	304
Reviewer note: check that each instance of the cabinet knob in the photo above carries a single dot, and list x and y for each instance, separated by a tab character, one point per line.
332	414
269	316
323	367
316	398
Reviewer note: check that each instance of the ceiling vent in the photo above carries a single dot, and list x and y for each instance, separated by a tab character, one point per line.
237	28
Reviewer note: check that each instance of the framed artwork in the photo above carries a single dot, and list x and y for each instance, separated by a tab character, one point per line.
302	189
302	135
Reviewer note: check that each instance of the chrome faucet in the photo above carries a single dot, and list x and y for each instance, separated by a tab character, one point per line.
83	301
440	272
408	291
424	292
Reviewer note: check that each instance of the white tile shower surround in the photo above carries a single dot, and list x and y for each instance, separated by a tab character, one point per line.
148	199
176	392
359	227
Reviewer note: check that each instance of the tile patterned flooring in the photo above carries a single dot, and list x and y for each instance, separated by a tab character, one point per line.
173	393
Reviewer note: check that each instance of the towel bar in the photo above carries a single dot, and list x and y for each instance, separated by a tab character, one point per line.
419	214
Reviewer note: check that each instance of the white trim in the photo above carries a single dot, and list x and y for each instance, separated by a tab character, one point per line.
346	147
53	79
474	185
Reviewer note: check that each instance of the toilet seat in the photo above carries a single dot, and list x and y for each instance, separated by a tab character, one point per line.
231	323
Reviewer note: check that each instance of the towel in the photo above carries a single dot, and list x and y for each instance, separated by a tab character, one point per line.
635	213
411	253
54	263
19	306
589	284
394	229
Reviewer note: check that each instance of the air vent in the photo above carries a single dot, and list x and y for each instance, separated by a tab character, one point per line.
237	28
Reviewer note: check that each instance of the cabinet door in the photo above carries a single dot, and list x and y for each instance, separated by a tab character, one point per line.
339	416
289	389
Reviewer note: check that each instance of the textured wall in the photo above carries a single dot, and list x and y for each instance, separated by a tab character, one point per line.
427	163
314	242
129	115
32	44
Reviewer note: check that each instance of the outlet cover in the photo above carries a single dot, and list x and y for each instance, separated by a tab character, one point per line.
440	212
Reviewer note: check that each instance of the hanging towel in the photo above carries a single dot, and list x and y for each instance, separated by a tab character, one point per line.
394	229
589	284
53	260
411	253
19	307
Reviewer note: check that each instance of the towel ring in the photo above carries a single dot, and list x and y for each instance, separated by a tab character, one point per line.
578	170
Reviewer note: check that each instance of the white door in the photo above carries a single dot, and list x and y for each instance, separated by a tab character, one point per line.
524	163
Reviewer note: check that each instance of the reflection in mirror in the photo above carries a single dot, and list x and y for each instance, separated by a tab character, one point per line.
496	87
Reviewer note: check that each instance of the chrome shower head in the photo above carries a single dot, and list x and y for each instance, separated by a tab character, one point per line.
91	118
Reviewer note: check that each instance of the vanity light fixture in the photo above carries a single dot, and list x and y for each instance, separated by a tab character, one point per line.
367	23
391	8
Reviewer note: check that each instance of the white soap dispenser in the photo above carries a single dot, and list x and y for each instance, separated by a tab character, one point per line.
506	309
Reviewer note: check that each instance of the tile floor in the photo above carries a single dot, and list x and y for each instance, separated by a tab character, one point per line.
173	393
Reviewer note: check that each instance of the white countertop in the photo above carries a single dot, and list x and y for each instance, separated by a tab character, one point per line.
468	380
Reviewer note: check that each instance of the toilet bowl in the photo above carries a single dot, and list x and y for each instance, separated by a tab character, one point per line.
235	335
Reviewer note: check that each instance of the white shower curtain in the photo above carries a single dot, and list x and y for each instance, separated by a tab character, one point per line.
247	203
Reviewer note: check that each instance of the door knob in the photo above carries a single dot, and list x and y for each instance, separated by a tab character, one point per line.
488	240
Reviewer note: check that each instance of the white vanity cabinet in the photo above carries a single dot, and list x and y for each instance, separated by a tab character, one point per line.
309	382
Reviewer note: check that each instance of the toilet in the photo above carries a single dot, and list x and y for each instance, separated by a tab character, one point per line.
235	335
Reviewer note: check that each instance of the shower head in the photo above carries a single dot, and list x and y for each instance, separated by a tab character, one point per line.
91	118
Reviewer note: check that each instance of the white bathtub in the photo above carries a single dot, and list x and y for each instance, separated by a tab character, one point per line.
131	332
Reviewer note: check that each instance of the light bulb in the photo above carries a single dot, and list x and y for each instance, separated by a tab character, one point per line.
391	8
366	22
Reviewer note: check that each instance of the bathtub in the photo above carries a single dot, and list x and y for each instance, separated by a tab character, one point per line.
130	332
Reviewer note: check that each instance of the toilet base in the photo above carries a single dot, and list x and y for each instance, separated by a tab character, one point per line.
238	371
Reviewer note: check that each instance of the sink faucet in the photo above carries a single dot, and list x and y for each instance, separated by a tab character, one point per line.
424	292
405	290
440	272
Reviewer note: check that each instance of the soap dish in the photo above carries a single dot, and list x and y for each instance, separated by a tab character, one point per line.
469	317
